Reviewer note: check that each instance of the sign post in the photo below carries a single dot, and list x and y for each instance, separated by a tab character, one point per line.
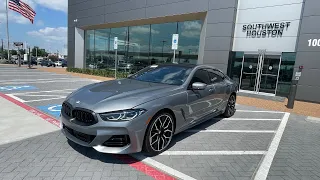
18	44
293	89
29	58
175	42
115	47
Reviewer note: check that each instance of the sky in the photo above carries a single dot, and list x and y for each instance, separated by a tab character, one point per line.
49	30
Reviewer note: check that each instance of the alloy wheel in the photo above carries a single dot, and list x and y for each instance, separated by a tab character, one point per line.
161	133
231	104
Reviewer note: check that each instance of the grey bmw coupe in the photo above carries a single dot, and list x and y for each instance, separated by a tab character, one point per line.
145	110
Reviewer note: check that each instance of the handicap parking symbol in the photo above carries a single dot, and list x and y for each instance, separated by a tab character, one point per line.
17	88
53	110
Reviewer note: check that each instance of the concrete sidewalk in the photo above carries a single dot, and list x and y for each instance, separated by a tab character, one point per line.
18	123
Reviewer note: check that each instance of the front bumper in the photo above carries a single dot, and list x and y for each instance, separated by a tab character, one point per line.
96	135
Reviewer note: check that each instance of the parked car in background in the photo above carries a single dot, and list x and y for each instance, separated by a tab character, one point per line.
125	67
64	63
34	62
58	63
47	63
51	64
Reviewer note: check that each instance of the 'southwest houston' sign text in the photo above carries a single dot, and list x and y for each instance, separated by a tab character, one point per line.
265	30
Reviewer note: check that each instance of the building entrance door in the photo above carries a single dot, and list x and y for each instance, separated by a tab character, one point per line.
260	72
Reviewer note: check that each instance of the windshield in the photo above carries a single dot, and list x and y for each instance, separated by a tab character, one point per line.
173	75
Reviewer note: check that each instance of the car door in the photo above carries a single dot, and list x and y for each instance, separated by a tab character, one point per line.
198	100
218	94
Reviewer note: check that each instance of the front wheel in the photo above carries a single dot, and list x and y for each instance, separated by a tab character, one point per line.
231	107
159	134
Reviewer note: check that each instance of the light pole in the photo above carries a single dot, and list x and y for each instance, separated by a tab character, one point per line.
163	41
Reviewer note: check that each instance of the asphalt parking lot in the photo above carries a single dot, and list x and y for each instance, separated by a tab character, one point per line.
241	147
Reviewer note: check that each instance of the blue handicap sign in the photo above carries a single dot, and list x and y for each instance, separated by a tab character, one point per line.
53	110
17	88
175	41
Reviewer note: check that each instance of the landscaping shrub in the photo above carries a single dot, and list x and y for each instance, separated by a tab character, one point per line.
98	72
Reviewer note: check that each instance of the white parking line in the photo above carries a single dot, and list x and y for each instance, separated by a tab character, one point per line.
22	72
259	111
16	98
264	168
49	99
40	95
37	92
228	131
41	82
248	119
162	167
31	80
183	153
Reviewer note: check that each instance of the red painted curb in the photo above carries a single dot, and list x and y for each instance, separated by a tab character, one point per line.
138	165
32	110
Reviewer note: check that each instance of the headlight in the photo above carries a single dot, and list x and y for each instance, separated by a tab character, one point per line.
125	115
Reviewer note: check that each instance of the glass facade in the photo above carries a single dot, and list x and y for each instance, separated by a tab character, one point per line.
286	73
244	69
140	46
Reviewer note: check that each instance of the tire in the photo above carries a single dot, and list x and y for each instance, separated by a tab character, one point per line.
157	141
231	107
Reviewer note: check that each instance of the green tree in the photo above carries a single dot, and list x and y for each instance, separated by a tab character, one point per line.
22	51
4	54
35	51
13	52
40	52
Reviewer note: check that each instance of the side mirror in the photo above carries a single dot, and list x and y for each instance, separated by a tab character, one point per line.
199	86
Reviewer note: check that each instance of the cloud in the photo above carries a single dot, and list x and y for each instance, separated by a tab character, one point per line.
58	5
143	30
39	23
191	29
51	34
191	34
192	25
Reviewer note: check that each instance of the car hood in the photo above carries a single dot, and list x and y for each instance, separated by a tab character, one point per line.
118	94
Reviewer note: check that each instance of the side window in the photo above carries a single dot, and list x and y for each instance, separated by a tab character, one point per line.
200	76
215	77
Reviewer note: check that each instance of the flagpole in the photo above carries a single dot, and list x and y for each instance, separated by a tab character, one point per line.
8	30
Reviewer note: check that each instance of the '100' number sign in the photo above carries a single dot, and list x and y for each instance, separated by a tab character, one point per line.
314	42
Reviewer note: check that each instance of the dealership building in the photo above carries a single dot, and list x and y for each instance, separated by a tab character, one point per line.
264	45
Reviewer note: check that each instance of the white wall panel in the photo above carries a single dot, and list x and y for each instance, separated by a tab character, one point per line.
252	12
79	48
266	14
284	44
292	30
245	4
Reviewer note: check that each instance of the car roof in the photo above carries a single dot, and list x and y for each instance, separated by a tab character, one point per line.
179	65
189	66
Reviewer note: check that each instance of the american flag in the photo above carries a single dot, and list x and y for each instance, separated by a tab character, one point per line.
22	8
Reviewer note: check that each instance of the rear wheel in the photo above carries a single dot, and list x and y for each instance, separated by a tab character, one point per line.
159	134
231	106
